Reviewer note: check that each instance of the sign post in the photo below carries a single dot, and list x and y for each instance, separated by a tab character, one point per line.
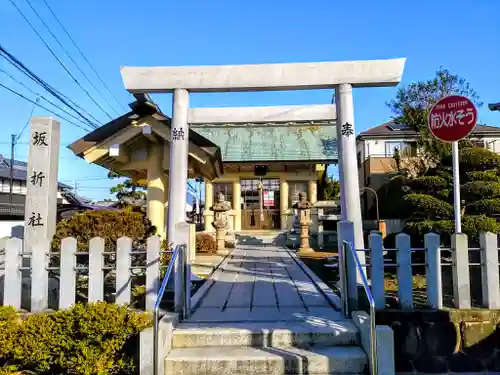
450	120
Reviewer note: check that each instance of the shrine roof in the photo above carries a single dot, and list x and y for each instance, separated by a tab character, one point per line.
300	141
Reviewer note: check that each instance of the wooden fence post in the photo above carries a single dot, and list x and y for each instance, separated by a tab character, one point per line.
404	271
123	264
153	263
460	269
67	278
377	269
434	286
96	272
489	270
39	276
12	276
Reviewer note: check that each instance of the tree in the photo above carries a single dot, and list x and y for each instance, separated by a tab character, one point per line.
413	102
421	191
328	188
130	192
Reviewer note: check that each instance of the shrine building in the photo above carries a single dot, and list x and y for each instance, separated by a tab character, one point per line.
270	154
260	158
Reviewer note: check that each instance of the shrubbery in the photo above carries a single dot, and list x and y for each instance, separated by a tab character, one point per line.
424	206
205	243
108	224
88	339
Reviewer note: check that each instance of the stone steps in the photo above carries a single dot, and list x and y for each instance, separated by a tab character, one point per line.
319	360
266	348
265	334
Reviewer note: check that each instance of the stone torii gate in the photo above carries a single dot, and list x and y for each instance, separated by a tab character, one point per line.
340	76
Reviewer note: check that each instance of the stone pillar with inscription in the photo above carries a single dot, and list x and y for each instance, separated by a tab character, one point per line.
41	181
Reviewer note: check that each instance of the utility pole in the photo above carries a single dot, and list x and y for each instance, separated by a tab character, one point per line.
13	138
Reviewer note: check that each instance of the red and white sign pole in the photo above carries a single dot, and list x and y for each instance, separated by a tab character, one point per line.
451	119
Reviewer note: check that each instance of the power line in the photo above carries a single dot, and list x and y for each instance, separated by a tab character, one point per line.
41	106
27	121
55	56
39	96
74	62
81	53
57	94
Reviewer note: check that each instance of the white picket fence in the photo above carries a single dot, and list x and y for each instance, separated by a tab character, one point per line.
460	265
22	268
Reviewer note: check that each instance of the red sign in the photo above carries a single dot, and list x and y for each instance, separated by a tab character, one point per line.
452	118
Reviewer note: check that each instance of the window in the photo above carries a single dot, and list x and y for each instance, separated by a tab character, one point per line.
407	148
226	189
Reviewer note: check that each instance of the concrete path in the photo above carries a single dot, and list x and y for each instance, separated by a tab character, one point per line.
262	284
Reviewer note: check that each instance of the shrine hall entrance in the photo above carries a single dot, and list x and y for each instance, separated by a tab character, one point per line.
260	204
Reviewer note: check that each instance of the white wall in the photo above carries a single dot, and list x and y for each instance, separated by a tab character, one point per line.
18	187
377	147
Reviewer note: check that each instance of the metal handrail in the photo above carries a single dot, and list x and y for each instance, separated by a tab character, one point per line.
371	301
156	323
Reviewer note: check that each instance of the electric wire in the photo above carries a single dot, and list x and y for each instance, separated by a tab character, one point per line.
81	53
18	136
53	53
40	96
61	97
74	62
41	106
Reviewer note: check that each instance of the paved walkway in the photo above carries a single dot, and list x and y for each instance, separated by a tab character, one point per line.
262	283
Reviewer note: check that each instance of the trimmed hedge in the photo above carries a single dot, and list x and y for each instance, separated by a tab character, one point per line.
485	206
97	338
426	206
108	224
426	183
478	158
490	175
477	190
472	225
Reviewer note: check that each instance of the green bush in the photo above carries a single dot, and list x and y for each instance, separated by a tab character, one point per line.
490	175
421	206
478	159
85	339
472	225
485	206
205	243
476	190
108	224
428	183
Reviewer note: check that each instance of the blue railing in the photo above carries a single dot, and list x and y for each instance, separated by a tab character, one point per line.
348	250
178	255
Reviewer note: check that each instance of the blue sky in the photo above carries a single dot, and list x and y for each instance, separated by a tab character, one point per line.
457	34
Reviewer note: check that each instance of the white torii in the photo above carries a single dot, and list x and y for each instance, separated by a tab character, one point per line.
340	76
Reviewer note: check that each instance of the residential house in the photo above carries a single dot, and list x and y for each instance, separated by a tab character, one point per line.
376	147
14	211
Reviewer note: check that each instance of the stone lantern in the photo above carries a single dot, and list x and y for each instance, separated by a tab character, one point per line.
220	207
303	207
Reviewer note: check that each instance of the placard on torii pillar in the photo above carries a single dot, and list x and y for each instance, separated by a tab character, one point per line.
342	76
41	181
